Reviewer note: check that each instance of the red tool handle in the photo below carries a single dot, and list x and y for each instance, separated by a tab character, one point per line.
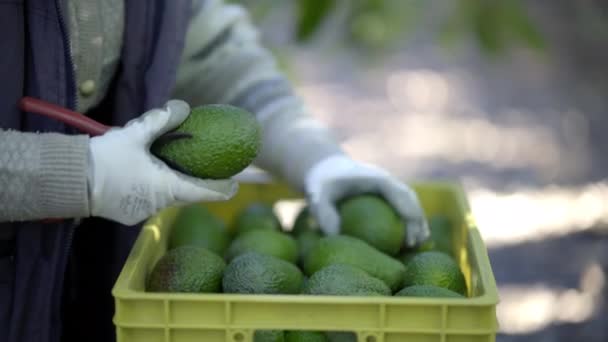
74	119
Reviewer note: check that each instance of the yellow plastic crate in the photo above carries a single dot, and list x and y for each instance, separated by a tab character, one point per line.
156	317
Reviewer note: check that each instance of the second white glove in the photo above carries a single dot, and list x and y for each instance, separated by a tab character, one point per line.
338	176
127	184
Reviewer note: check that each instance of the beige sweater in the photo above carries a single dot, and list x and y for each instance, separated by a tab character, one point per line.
45	175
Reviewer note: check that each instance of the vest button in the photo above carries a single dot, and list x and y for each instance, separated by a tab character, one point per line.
87	87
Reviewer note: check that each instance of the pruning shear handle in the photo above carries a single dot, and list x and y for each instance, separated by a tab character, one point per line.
74	119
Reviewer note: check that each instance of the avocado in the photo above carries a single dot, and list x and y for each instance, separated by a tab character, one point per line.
427	291
439	240
348	250
304	222
306	241
305	336
256	216
304	282
187	269
345	280
373	220
255	273
196	226
269	336
441	233
407	257
267	242
307	233
341	336
435	268
224	140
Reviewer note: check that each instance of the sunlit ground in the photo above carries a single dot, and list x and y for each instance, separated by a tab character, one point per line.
532	214
425	116
525	309
423	124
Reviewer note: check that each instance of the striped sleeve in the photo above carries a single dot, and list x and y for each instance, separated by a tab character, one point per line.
224	62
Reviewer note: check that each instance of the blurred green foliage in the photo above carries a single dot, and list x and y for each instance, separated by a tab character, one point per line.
376	25
496	24
311	13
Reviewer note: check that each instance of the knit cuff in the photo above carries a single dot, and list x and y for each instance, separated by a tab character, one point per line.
63	176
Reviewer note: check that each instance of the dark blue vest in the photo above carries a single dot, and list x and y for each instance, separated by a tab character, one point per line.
55	279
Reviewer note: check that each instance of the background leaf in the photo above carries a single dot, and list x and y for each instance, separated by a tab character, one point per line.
311	14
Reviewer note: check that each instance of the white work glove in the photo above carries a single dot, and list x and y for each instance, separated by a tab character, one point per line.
338	176
128	184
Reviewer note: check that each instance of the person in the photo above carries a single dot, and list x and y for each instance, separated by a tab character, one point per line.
137	66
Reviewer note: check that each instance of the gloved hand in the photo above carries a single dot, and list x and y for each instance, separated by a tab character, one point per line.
339	176
128	184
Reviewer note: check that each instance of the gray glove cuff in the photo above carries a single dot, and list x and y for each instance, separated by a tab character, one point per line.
63	176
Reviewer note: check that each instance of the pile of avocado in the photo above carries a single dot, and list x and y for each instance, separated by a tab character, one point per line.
257	255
